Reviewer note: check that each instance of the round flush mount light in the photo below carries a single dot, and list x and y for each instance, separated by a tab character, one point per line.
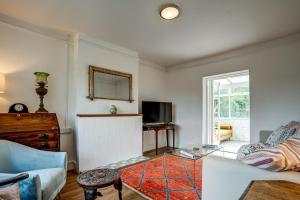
169	11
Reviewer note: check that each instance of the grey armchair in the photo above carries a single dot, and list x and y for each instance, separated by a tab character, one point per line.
47	170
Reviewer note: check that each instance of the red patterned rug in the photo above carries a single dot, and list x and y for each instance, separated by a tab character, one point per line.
165	177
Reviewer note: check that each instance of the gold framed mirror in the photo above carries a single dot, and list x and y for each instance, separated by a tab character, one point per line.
109	84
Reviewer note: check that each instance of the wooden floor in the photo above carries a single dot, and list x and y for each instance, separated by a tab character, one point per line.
72	191
161	151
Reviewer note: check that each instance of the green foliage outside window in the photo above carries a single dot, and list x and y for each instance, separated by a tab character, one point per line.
239	106
234	99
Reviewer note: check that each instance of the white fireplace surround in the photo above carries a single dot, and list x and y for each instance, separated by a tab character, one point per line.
102	140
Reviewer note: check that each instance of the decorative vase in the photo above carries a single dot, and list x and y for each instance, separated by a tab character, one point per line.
113	109
41	80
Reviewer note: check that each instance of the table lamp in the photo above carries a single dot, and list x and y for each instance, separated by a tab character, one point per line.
41	80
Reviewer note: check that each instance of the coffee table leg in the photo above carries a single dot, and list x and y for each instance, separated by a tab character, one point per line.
91	194
195	173
118	186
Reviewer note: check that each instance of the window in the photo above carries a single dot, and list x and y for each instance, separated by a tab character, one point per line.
239	89
216	107
224	106
239	106
224	91
234	102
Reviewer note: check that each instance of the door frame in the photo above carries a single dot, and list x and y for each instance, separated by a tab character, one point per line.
207	105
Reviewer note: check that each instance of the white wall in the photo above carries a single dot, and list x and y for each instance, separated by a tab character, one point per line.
22	53
274	81
88	51
274	88
152	87
94	52
152	82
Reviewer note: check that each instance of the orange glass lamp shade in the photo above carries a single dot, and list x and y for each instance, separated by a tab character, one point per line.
41	78
2	83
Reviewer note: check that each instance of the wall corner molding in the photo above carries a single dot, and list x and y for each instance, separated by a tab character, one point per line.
26	26
285	40
107	45
151	64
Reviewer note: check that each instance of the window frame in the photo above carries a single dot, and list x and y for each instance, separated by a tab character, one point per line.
230	95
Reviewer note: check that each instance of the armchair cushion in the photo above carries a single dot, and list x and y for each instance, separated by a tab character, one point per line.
29	188
225	127
52	181
10	192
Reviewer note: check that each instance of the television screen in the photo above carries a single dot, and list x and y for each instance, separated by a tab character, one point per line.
156	112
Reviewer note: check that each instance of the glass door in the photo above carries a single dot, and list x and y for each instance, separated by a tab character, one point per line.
216	113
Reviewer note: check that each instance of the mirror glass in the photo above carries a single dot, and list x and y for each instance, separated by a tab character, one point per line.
108	84
111	86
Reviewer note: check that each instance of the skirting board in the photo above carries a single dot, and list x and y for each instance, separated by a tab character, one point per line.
71	164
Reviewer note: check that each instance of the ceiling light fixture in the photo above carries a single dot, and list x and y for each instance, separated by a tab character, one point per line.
169	11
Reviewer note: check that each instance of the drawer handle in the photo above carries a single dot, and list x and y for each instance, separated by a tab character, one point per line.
44	135
44	145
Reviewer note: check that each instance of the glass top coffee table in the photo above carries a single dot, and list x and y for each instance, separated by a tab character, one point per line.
195	153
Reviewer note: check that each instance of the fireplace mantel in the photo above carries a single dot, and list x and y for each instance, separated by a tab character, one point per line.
108	115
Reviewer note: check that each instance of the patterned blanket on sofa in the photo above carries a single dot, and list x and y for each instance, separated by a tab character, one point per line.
277	137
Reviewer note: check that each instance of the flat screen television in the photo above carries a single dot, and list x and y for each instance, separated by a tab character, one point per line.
156	112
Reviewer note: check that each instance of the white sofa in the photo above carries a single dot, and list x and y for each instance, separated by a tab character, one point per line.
226	179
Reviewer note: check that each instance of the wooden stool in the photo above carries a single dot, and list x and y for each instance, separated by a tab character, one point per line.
91	180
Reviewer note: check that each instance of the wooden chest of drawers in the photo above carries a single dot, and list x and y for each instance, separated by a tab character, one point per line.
37	130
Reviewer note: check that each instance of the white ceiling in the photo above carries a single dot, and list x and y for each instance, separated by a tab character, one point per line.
204	28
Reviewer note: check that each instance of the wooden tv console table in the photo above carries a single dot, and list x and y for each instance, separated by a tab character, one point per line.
159	127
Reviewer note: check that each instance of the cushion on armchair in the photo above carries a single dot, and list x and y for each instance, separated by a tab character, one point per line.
10	192
28	188
225	127
52	181
47	170
225	132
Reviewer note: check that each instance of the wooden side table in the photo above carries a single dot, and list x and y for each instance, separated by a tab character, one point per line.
158	127
91	180
271	190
